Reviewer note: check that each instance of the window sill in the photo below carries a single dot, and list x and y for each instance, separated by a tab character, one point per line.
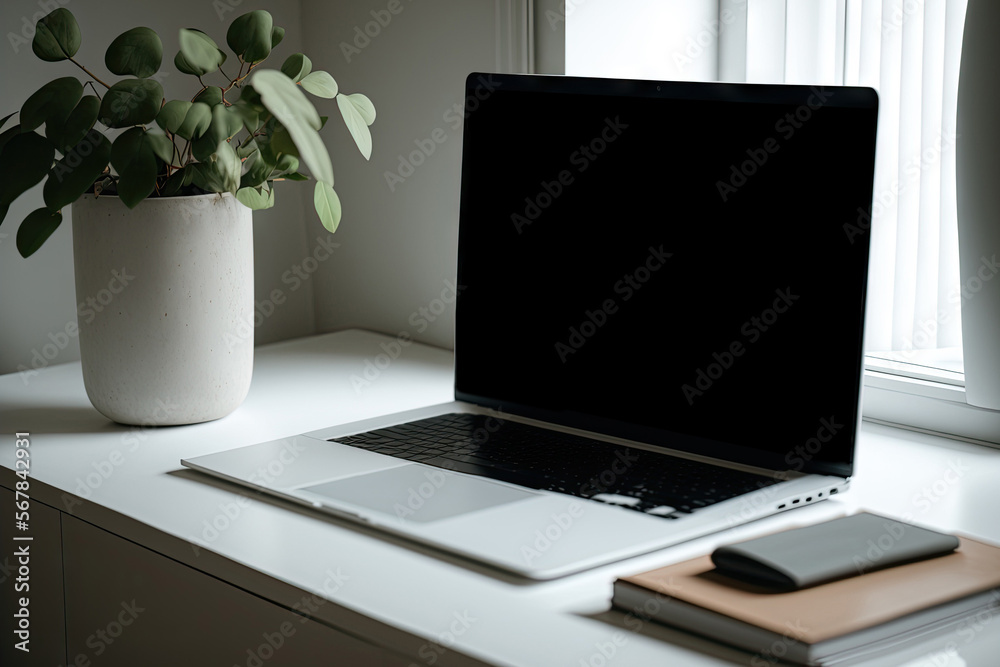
928	406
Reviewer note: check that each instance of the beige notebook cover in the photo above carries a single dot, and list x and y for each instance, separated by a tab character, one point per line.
836	608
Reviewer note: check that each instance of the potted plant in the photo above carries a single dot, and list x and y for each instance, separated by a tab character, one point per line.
162	193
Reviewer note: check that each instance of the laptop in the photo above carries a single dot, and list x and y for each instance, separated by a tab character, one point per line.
658	327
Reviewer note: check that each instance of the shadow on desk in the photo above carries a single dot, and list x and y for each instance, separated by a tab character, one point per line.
388	538
60	419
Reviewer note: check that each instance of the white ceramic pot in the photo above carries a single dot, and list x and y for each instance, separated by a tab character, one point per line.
978	170
165	294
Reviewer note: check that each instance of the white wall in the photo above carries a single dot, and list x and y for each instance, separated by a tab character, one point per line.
399	243
37	295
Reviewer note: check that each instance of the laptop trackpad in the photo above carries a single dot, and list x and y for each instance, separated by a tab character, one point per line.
419	493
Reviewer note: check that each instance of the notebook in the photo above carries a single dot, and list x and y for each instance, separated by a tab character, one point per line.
659	316
839	622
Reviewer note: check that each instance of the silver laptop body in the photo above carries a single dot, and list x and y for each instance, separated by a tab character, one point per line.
676	268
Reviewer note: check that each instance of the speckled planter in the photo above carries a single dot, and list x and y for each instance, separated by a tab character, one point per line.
165	306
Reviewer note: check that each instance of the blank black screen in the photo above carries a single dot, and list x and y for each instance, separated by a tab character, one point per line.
679	263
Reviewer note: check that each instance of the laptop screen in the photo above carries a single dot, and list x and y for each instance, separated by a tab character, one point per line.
682	264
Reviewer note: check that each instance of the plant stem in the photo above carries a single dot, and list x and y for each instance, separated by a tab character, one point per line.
90	73
92	87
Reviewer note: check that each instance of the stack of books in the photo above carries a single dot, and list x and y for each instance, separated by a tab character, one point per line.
866	613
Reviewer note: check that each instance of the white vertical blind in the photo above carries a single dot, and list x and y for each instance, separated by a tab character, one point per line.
910	52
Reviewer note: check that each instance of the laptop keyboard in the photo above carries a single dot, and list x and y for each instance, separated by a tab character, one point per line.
538	458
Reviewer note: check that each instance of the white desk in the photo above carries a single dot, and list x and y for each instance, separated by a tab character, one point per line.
148	527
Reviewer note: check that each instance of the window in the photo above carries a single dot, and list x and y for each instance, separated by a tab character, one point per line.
910	51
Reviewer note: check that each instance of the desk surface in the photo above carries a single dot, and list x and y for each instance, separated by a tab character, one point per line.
391	592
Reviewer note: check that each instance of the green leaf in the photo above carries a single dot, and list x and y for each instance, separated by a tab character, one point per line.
3	121
36	229
172	114
296	66
131	102
162	146
134	159
281	142
277	34
57	36
196	121
34	158
296	113
229	119
256	198
136	52
69	133
6	136
257	171
219	131
246	149
247	114
73	175
173	184
320	84
286	163
249	35
211	96
199	53
52	102
220	173
250	97
327	205
356	125
295	176
364	107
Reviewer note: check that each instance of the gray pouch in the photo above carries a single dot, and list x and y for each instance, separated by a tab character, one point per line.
836	549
